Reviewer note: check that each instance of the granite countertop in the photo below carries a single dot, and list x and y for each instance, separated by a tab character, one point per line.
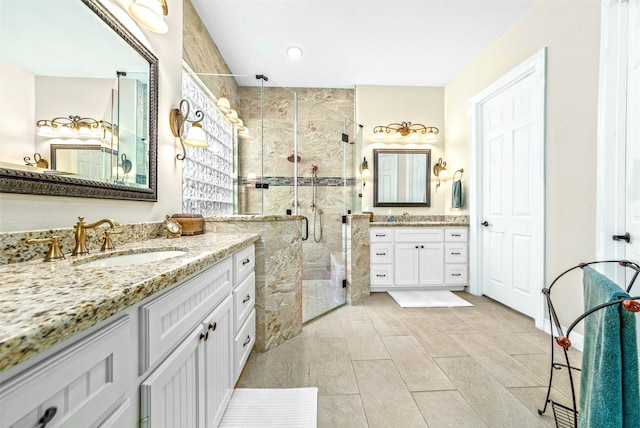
42	304
417	224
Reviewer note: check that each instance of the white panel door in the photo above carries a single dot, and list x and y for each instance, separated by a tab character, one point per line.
510	161
218	362
633	138
406	264
172	397
431	264
388	177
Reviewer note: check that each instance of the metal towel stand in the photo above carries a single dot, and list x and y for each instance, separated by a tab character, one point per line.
567	417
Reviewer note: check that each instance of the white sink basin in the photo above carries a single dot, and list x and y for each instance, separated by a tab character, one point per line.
132	259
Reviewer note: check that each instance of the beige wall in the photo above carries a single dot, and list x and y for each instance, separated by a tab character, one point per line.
571	33
382	105
30	212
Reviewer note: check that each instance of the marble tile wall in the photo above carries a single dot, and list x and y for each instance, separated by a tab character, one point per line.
278	273
14	247
358	281
203	56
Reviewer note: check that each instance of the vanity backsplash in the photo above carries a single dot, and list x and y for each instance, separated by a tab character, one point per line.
14	247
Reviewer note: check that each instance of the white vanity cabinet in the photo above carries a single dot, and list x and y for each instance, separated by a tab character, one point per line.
83	385
244	297
170	360
194	383
418	258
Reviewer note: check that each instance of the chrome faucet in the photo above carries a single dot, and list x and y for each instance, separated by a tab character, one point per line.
81	234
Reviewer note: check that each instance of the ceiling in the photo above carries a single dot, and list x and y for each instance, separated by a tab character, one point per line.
355	42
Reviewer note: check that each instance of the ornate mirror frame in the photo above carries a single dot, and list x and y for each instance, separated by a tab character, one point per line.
20	181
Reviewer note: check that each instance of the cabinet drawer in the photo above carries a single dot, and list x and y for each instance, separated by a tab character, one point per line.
244	298
381	253
243	343
455	253
381	235
456	235
419	234
167	319
455	274
243	263
381	275
82	382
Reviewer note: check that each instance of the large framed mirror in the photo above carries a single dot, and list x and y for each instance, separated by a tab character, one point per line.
75	84
401	178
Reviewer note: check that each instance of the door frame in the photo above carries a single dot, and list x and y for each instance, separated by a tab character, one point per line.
612	116
536	64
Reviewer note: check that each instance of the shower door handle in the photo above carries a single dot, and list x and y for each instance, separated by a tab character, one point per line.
306	236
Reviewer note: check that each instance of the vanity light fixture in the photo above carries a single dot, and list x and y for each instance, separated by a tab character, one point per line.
403	129
196	137
224	105
75	127
232	116
150	14
440	171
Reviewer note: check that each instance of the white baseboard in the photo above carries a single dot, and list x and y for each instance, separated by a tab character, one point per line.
577	340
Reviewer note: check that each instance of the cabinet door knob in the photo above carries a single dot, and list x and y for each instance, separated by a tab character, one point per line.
204	336
246	299
485	223
213	326
245	261
246	341
48	415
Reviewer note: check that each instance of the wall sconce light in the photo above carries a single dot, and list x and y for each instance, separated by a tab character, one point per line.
401	130
150	14
75	127
196	137
440	171
364	168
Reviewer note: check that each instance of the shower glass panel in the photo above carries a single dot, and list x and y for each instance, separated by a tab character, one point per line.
300	159
325	188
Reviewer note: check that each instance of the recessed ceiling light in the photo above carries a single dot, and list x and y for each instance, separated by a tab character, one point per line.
294	52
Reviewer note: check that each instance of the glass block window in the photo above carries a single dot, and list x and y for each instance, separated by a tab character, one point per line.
207	184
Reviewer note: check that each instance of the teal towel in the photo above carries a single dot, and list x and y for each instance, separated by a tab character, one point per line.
456	194
609	392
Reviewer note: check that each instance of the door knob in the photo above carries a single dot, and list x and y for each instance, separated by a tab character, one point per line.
625	237
485	223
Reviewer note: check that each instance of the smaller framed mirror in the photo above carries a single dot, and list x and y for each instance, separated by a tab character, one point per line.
401	178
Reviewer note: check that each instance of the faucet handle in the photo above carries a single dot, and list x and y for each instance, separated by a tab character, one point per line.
54	252
107	244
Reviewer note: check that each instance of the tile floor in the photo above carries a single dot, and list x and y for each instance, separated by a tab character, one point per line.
320	296
377	365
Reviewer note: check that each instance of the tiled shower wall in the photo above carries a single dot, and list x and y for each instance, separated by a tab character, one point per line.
321	122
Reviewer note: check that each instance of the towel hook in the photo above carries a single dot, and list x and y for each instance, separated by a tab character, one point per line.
461	170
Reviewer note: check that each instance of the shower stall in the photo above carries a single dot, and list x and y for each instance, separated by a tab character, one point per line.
300	159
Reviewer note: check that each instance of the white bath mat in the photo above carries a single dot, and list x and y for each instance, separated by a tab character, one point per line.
262	407
427	299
